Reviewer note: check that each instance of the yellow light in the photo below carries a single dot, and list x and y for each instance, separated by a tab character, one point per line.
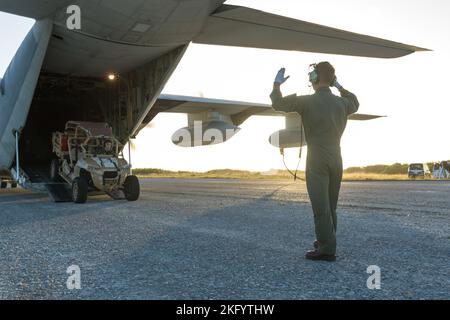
112	77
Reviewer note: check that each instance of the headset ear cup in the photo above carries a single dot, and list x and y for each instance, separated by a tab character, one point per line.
316	72
314	77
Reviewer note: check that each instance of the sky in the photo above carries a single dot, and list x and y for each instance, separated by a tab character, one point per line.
411	91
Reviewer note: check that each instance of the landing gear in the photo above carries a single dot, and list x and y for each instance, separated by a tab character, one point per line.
80	190
131	188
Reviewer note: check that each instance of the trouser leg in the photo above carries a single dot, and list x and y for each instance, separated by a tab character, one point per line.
318	190
335	186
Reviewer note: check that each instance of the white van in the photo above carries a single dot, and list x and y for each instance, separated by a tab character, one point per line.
420	170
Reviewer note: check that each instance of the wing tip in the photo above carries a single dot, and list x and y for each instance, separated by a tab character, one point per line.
419	49
424	50
364	117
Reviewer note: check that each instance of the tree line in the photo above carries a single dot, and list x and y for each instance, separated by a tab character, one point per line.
397	168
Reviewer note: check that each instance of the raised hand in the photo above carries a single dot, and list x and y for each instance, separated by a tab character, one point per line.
280	78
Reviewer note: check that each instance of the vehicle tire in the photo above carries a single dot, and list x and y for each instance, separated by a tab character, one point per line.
3	185
131	188
54	170
80	190
13	185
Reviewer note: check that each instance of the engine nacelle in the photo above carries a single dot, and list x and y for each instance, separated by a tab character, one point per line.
291	137
286	138
205	129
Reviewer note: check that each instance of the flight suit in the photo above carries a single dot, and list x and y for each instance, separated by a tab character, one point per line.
324	117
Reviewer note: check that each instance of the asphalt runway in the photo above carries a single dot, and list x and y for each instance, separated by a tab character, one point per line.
226	239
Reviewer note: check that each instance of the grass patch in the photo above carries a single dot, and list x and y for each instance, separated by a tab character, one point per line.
374	177
249	175
213	174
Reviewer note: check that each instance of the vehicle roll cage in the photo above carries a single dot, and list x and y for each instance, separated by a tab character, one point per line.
87	138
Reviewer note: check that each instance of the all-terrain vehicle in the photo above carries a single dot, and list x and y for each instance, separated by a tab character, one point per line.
90	159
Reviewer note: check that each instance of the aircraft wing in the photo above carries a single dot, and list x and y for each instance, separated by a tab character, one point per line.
238	111
245	27
224	116
186	104
33	9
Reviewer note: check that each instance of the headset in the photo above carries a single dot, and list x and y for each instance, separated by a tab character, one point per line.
314	76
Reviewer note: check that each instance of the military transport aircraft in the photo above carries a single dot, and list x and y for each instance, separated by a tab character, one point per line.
114	68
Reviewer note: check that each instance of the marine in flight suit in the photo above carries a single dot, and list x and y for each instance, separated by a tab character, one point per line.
324	117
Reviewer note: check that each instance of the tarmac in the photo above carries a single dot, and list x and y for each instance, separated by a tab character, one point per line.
226	239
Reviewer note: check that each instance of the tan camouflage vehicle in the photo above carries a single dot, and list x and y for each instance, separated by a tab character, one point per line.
90	158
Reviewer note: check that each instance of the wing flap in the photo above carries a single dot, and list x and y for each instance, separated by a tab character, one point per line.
246	27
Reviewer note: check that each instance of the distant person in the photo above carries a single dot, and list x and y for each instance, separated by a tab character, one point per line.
108	148
324	117
436	170
446	166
